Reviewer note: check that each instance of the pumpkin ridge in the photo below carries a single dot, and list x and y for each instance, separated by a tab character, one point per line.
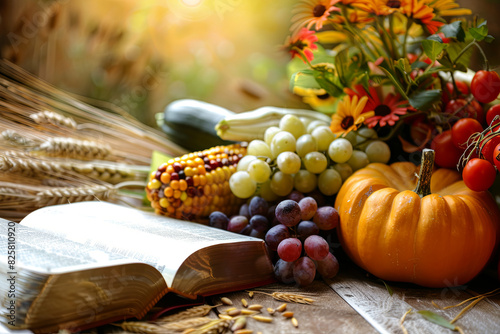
371	230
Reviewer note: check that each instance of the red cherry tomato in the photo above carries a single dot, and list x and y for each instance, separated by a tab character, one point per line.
463	129
462	109
450	92
491	113
485	86
479	174
446	154
489	145
496	156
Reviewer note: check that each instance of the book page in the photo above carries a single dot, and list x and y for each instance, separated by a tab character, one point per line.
47	253
159	241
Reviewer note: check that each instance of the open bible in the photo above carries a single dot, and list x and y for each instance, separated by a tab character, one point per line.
76	266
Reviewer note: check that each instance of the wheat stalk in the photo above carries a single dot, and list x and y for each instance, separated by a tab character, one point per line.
289	297
213	327
61	195
117	126
184	324
50	117
25	164
74	148
192	312
139	327
57	149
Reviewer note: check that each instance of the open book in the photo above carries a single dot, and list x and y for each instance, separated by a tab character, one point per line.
81	265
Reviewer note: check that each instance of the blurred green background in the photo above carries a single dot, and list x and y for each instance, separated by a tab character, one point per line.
143	54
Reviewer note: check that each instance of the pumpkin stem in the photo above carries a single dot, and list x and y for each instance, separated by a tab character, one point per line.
424	176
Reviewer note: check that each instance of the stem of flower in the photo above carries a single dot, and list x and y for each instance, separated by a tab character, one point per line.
392	38
384	37
355	35
467	47
487	65
405	39
302	55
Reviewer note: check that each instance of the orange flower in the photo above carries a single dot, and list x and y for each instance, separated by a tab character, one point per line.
447	8
354	15
383	7
422	14
312	12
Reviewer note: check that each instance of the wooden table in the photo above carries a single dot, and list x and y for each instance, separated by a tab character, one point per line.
355	302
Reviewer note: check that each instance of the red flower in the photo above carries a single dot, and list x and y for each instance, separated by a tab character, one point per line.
302	44
387	112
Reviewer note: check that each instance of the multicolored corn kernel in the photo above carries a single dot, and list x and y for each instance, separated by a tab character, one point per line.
192	186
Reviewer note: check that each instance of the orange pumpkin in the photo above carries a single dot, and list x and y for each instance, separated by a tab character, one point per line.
437	233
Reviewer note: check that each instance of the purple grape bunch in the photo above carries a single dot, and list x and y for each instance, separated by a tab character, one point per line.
252	219
291	229
302	251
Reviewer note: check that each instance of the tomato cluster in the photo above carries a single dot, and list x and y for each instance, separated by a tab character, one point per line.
473	141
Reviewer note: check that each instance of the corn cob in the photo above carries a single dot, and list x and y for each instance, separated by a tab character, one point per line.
192	186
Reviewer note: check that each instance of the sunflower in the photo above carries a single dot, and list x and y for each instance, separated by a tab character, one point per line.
301	44
422	14
447	8
383	7
317	98
354	15
387	112
349	116
312	12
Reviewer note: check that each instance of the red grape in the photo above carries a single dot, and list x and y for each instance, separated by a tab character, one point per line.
308	207
290	249
328	267
316	247
304	271
326	218
237	223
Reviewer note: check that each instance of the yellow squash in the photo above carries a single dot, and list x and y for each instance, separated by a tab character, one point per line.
437	233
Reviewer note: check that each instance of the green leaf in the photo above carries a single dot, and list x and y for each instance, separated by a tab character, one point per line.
449	66
436	38
329	82
396	84
303	79
437	319
454	30
419	65
479	33
389	289
404	65
433	48
489	39
422	100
